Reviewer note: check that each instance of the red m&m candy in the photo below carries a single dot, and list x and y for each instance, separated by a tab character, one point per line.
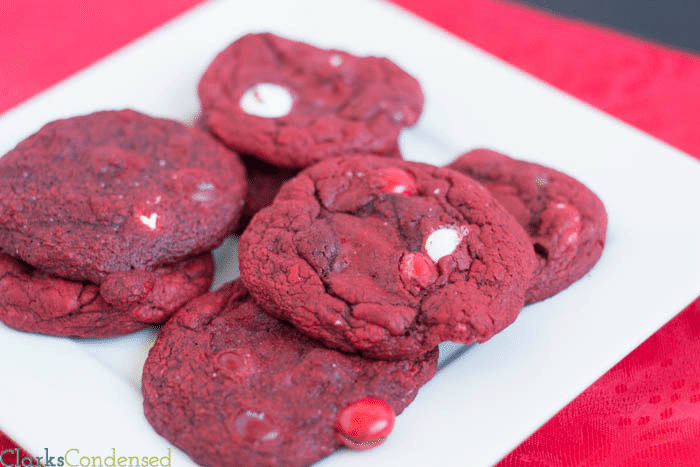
397	181
365	423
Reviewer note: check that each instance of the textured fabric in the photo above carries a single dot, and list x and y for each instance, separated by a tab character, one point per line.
7	443
643	412
44	41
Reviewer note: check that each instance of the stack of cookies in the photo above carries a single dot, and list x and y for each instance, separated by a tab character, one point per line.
355	264
107	222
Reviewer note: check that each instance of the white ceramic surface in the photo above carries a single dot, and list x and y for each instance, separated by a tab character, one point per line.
84	394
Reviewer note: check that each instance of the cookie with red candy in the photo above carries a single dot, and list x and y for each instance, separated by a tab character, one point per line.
231	385
387	258
565	220
291	104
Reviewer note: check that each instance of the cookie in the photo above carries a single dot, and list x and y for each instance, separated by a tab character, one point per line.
565	220
114	191
292	104
230	385
126	302
387	258
264	181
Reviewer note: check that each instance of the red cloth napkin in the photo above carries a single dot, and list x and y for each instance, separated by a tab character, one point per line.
644	411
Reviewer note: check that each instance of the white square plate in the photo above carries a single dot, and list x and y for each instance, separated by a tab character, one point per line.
84	394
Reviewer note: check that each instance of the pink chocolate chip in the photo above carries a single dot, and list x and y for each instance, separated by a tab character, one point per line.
255	427
417	270
397	181
561	223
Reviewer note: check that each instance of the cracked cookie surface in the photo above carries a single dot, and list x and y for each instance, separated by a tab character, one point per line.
292	104
125	302
264	182
113	191
565	220
229	384
387	258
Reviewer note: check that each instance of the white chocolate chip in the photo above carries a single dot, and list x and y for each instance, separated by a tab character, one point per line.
149	221
444	241
335	60
201	196
266	100
205	192
258	415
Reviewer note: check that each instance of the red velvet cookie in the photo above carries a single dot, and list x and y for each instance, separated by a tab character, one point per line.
387	258
264	181
125	302
292	104
565	220
114	191
230	385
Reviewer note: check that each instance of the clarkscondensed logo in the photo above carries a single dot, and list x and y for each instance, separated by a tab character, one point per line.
75	458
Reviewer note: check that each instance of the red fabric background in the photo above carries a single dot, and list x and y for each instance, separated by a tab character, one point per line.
646	410
44	41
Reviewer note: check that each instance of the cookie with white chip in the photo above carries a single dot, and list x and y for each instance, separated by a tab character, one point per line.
115	201
387	258
292	104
